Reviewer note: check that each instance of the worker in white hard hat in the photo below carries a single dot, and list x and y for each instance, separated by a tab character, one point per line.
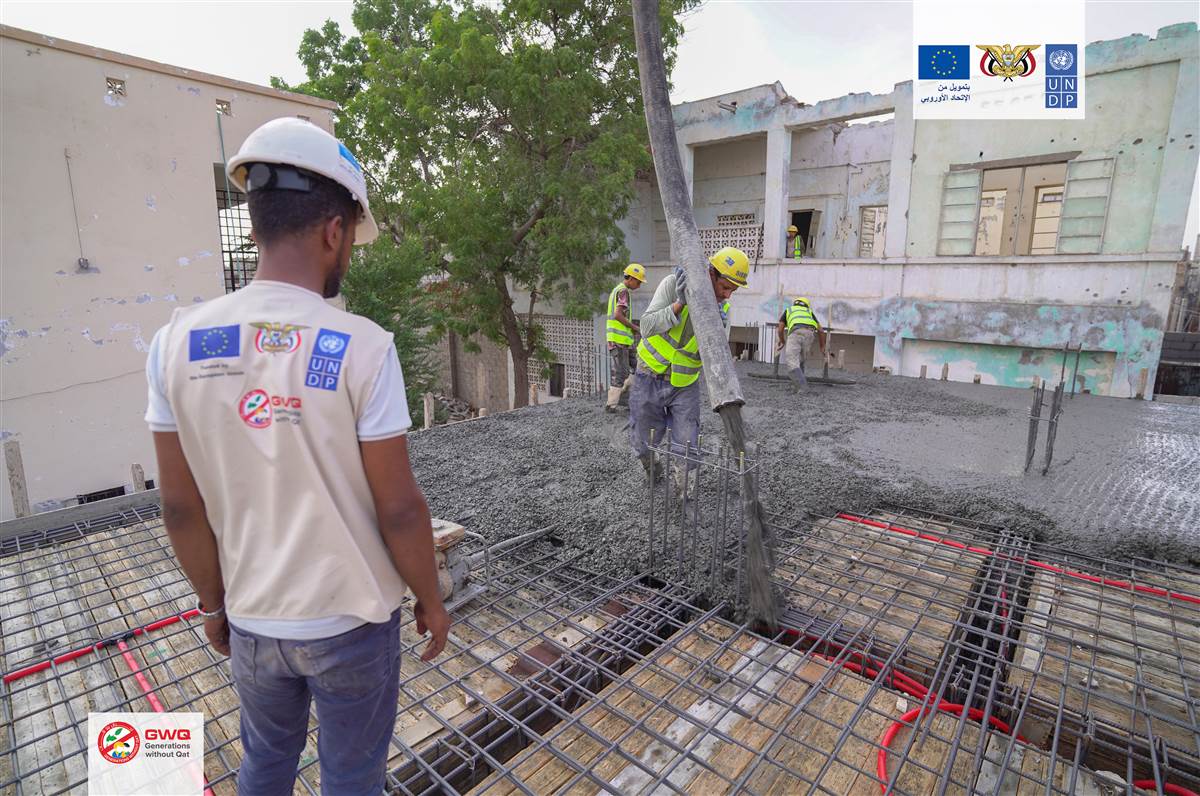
795	243
665	399
620	333
798	328
279	423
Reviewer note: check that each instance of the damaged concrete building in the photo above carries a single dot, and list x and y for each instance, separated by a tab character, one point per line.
984	246
981	247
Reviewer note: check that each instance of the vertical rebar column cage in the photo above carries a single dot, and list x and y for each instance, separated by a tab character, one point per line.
697	518
239	255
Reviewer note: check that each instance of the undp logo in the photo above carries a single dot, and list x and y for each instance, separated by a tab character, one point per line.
118	742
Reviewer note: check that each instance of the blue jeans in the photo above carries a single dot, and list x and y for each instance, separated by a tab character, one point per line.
355	678
655	406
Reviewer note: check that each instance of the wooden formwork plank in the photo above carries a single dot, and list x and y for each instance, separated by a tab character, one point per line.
882	582
614	710
744	677
1085	643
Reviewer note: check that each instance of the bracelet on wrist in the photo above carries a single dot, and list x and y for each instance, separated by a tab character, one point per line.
209	614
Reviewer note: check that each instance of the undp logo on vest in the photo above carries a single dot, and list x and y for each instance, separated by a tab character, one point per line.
325	365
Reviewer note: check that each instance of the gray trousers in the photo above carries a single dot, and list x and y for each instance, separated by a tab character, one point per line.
658	409
796	350
620	360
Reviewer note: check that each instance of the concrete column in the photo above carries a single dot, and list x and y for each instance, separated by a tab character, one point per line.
900	175
775	202
139	478
1178	172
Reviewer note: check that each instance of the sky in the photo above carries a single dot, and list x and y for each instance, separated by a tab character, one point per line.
816	48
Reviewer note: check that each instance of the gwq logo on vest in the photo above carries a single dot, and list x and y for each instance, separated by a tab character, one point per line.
259	409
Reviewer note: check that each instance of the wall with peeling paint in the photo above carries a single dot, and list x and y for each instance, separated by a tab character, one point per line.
1142	111
1005	318
74	342
839	169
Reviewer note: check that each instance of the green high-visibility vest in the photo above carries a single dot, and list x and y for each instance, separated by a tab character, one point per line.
800	315
619	333
797	247
671	351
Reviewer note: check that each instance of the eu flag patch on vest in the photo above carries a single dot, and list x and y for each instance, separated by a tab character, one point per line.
213	342
325	364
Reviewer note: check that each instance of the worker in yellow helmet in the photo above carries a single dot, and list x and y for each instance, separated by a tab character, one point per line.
666	393
795	243
798	327
621	331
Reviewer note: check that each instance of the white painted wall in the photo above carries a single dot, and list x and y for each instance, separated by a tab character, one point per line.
72	384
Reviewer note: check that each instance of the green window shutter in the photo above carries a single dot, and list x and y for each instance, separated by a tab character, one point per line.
960	212
1085	206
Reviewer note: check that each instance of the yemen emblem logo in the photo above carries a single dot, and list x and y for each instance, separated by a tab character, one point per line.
1006	61
277	338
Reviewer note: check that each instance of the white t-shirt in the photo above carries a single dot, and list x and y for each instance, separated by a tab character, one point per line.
384	416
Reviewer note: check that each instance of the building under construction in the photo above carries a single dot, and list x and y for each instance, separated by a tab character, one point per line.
916	653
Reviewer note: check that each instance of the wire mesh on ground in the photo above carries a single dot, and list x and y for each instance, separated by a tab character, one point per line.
918	654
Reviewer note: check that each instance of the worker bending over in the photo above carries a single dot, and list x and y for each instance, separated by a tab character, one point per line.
798	326
621	329
279	422
666	396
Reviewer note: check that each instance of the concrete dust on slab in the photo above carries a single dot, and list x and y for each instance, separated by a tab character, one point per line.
1125	479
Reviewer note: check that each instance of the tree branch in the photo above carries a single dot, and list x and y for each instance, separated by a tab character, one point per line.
523	230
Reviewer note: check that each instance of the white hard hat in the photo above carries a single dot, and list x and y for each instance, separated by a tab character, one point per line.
295	142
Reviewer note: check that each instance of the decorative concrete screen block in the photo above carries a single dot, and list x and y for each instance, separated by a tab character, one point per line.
1085	206
960	212
574	345
747	237
735	220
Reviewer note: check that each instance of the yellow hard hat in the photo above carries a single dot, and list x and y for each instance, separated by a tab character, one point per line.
733	264
792	229
636	271
802	300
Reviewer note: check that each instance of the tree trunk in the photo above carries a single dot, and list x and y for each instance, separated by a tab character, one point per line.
516	344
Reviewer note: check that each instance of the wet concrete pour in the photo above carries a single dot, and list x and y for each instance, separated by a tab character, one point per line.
1125	479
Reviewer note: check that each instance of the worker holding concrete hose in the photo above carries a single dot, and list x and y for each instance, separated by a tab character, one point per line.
620	333
279	422
665	399
798	327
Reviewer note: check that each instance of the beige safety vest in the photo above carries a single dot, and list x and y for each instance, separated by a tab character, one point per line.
265	385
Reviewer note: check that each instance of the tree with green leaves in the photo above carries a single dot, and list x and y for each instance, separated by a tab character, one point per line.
502	142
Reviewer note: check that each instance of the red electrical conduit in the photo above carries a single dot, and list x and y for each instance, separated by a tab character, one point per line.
79	653
1121	584
907	685
130	661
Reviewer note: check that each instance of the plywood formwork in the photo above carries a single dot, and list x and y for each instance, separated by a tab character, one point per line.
900	591
721	710
89	592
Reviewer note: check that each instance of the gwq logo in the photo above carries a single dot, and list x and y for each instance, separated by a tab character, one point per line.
119	742
153	734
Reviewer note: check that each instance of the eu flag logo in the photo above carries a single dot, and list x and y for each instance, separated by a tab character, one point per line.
215	341
944	62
